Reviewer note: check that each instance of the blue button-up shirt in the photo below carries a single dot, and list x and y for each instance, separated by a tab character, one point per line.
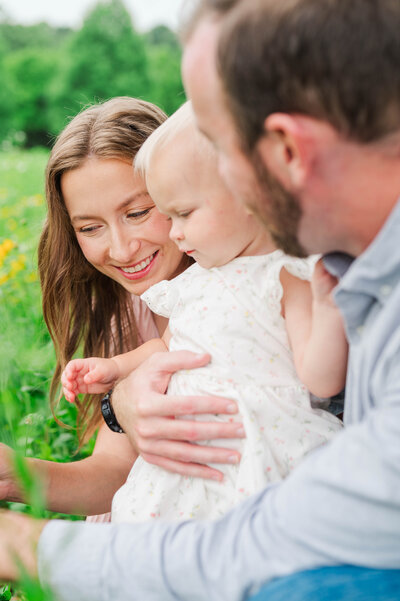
340	506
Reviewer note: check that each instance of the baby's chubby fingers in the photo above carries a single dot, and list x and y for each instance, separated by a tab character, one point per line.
68	387
94	375
69	395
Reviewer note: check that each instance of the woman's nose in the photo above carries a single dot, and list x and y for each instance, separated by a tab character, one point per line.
123	247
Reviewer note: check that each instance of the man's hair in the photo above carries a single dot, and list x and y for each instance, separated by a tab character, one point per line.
335	60
195	12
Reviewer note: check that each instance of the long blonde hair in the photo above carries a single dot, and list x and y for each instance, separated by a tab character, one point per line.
81	306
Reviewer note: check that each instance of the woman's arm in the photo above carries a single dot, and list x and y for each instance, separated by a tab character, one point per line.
147	415
83	487
315	330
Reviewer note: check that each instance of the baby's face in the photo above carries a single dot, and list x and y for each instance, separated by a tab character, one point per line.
207	223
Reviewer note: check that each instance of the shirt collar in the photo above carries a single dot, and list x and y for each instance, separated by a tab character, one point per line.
369	278
377	269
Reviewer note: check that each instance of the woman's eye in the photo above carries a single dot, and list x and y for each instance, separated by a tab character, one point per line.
89	230
185	214
139	214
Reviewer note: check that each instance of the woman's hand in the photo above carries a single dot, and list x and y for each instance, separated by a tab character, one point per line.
144	412
9	490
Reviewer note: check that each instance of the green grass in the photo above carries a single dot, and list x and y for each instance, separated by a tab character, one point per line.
26	352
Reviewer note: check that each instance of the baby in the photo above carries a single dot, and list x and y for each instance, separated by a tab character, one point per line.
250	307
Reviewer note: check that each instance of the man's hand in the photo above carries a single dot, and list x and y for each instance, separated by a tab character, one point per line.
19	536
147	415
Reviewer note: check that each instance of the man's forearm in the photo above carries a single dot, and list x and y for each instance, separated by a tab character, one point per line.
332	510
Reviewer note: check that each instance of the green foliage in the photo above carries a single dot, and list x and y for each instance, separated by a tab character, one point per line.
161	35
5	100
26	352
42	35
107	57
164	66
31	101
48	74
5	592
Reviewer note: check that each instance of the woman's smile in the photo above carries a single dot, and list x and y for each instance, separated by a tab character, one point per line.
139	269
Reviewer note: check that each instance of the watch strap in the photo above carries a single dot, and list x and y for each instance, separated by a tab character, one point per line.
108	413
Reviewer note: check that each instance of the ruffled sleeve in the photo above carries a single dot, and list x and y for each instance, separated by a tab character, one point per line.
300	268
161	298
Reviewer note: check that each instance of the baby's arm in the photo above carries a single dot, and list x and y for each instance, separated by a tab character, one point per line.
316	332
127	362
96	374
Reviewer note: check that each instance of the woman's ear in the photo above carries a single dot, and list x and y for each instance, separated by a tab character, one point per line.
286	149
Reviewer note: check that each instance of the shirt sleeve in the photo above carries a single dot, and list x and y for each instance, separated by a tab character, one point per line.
340	506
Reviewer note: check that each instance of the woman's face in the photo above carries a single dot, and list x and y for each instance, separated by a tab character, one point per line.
117	225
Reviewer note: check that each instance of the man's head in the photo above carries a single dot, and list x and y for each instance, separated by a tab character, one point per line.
289	84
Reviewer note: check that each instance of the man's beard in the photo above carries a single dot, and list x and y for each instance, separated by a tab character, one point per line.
278	210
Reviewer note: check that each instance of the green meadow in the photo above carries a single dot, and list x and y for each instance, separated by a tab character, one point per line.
26	351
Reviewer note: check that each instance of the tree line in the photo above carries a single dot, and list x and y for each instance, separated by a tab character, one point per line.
48	74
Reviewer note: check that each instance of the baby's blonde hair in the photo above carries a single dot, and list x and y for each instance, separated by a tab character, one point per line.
180	121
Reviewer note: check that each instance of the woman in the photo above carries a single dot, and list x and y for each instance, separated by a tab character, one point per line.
103	243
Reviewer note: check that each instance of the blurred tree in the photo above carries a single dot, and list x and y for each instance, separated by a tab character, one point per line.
15	37
31	71
164	52
107	56
162	35
165	74
48	74
5	98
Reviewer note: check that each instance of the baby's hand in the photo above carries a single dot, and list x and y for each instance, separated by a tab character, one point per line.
322	284
91	375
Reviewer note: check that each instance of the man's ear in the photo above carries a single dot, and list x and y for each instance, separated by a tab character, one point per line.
287	149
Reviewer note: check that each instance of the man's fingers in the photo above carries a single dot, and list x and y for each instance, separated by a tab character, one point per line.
185	469
176	360
185	452
176	429
162	405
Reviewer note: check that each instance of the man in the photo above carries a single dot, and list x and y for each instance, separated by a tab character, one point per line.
301	99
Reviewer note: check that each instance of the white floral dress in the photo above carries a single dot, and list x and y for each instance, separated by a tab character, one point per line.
232	312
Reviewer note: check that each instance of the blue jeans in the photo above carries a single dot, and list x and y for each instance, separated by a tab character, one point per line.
342	583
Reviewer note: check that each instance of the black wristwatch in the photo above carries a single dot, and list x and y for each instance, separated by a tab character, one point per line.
109	415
